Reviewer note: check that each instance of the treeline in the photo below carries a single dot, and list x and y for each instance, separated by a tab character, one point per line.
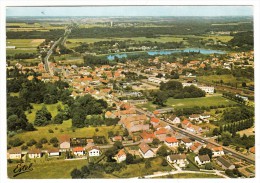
232	96
237	114
235	139
91	60
176	90
181	27
237	126
83	106
21	56
243	41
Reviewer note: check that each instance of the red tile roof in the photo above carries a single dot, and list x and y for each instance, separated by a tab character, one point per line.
77	149
155	120
171	139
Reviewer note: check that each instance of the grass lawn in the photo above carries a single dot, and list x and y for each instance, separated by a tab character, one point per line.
52	108
149	106
49	169
89	132
192	175
211	100
137	170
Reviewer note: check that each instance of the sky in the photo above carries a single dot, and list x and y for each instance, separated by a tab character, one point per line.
132	11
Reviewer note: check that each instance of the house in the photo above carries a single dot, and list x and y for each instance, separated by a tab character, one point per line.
216	150
78	151
14	153
154	121
187	142
161	133
171	142
94	151
252	150
147	137
174	120
117	138
34	153
53	152
194	117
207	89
135	123
179	159
109	114
185	123
196	147
64	143
120	156
202	159
204	116
146	151
225	164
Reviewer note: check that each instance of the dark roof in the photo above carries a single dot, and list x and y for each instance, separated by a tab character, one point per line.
204	157
224	162
144	147
177	156
186	140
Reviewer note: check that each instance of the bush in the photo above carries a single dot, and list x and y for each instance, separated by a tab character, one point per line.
51	131
55	145
61	130
54	140
31	142
16	142
56	128
24	147
38	145
164	162
208	166
43	141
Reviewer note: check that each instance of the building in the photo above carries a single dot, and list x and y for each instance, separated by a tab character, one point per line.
179	159
174	120
53	152
216	150
146	151
207	89
171	142
225	164
120	156
78	151
187	142
202	159
196	147
64	143
194	117
147	137
94	151
34	153
14	153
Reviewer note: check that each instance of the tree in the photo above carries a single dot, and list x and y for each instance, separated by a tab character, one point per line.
42	117
244	84
156	142
54	140
43	141
129	159
215	132
162	151
31	142
164	162
147	164
58	119
118	145
204	151
85	171
76	174
208	166
160	98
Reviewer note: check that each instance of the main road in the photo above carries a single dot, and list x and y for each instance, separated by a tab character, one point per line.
202	140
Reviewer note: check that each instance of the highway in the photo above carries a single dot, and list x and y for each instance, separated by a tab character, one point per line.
202	140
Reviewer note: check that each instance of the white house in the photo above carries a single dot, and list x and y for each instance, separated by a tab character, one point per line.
171	142
146	151
216	150
34	153
120	156
187	142
94	151
194	117
78	151
204	116
179	159
14	153
174	120
54	152
202	159
64	146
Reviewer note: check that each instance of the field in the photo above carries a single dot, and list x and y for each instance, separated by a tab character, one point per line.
225	78
137	170
52	169
212	100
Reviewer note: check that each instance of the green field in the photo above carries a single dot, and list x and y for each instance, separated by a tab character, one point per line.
225	78
52	169
138	170
211	100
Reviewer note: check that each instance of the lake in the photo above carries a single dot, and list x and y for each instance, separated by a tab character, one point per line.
168	52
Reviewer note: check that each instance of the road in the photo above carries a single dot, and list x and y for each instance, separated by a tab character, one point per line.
203	140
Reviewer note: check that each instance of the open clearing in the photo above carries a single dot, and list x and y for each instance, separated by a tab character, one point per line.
211	100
